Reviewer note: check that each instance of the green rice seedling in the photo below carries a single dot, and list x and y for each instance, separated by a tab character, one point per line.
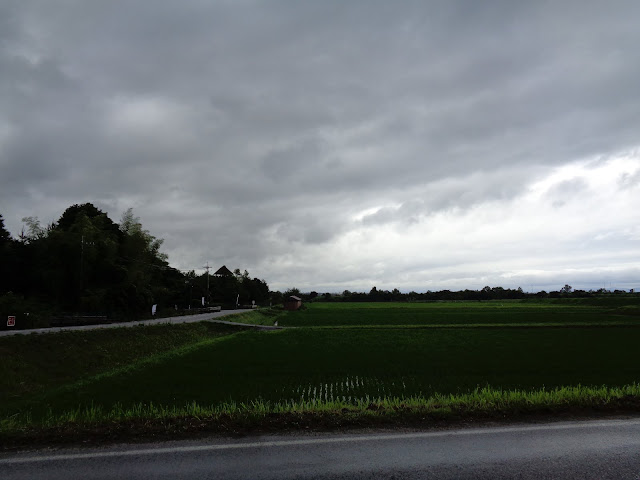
371	370
458	313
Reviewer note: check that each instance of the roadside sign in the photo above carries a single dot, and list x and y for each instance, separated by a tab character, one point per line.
11	321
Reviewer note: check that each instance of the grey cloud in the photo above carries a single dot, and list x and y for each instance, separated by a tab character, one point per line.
627	180
562	192
382	216
459	193
296	116
286	164
309	227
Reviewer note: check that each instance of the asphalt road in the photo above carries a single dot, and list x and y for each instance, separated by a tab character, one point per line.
570	450
182	319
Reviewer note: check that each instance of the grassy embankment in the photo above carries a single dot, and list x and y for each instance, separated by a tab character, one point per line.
389	371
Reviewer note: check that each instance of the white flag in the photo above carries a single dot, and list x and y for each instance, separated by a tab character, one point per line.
153	309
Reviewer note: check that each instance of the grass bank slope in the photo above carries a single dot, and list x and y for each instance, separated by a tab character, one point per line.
37	363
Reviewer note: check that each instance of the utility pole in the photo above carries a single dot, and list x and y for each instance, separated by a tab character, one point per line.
207	267
81	261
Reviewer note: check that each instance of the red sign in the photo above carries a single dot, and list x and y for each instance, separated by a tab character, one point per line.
11	321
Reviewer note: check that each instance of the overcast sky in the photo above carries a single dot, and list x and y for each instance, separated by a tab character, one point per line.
332	145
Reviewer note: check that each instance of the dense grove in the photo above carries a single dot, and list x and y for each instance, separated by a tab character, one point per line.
86	264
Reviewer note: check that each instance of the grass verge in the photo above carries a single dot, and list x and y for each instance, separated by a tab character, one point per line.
145	421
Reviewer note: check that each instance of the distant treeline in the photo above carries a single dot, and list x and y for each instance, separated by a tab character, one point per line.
86	264
486	293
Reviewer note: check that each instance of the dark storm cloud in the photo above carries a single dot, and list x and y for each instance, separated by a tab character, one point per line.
281	122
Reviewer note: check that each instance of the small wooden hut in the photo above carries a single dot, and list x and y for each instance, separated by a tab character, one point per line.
292	303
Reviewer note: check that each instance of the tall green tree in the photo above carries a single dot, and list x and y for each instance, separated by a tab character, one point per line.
7	258
5	236
77	260
144	264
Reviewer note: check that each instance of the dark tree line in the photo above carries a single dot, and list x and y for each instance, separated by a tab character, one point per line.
486	293
86	264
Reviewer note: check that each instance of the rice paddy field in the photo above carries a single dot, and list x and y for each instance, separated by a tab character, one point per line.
573	312
340	355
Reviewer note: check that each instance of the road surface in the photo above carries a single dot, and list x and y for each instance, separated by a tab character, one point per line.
604	449
182	319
